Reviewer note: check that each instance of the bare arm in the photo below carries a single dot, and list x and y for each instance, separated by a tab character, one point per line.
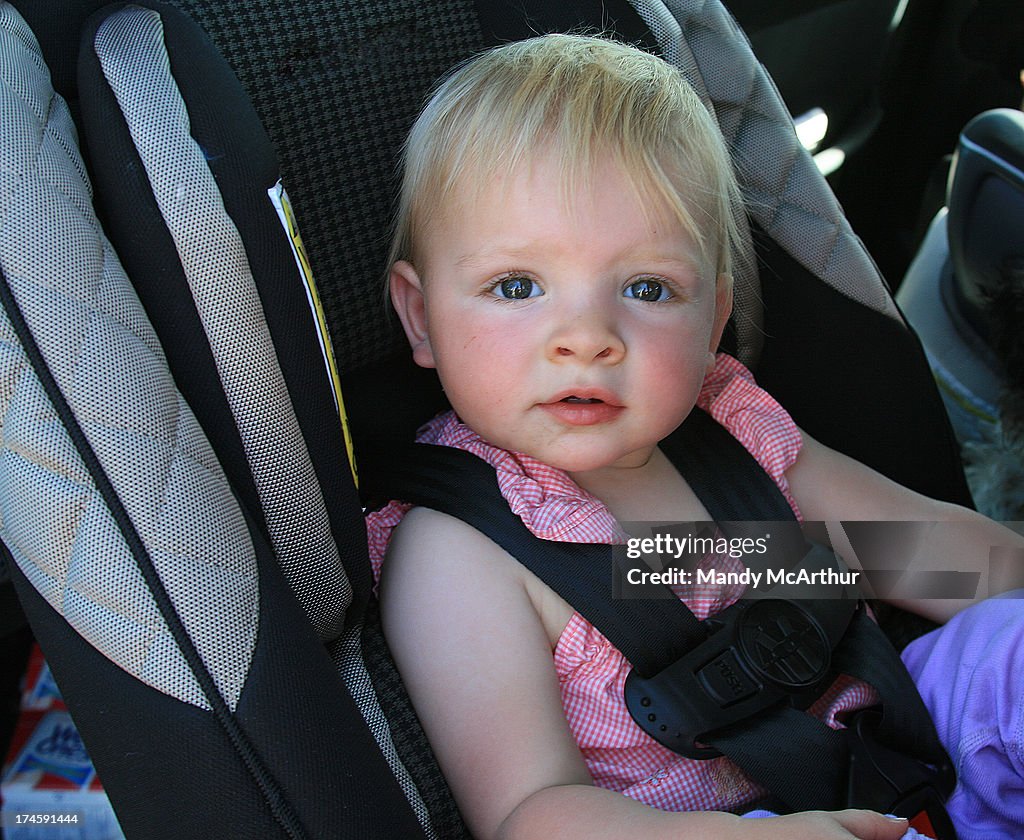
475	656
477	663
830	487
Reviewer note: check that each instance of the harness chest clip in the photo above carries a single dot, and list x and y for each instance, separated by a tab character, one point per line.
759	653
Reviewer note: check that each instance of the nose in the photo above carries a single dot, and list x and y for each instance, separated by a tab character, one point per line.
587	336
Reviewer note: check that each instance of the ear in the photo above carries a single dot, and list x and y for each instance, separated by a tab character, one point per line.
723	309
407	297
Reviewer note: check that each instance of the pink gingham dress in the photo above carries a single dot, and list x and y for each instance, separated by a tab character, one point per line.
591	672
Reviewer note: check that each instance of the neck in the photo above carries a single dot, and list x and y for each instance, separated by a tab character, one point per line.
651	491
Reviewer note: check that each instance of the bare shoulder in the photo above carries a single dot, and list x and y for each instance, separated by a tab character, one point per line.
441	579
427	545
434	552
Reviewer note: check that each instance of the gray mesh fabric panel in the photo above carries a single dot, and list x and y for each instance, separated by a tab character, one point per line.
784	192
348	656
131	51
96	341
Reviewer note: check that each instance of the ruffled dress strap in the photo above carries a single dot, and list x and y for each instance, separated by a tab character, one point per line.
752	416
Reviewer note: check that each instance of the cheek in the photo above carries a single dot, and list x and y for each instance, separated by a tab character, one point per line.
674	365
492	340
672	354
480	362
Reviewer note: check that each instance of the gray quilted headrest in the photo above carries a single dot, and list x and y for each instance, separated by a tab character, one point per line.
784	192
84	329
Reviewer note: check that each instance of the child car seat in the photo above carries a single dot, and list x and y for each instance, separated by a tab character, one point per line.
181	521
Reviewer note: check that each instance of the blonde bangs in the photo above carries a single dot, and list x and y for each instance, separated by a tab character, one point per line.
589	102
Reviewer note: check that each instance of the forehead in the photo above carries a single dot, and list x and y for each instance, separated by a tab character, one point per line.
539	206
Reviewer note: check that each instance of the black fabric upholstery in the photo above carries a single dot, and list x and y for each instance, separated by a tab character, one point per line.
179	776
513	20
855	380
337	85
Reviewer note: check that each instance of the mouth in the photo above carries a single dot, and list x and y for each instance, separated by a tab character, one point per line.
586	396
588	407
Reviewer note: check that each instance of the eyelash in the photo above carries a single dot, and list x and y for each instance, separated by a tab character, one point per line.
492	288
663	285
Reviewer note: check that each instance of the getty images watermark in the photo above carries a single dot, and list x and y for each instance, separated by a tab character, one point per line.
889	560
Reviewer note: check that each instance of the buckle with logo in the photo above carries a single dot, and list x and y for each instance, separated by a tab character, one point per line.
760	653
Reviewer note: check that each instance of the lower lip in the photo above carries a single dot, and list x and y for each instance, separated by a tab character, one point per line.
583	414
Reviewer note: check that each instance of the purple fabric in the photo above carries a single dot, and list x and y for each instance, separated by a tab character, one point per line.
970	673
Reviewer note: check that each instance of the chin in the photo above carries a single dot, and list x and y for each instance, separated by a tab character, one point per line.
592	461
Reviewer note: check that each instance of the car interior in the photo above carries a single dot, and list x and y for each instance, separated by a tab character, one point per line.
188	382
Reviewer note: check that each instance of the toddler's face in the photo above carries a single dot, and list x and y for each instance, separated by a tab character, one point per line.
577	332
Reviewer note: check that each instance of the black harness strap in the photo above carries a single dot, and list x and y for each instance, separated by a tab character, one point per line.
727	479
800	759
906	723
650	633
815	755
459	484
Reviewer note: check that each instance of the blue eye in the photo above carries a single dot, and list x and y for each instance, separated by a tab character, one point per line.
647	289
517	287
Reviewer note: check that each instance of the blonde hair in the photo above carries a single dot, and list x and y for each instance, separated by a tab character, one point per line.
586	100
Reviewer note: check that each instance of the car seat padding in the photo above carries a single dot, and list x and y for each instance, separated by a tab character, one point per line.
129	45
107	366
239	156
119	383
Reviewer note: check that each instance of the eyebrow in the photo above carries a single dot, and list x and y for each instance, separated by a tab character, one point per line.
477	258
521	253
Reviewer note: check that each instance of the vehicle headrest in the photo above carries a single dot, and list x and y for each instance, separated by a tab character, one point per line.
986	210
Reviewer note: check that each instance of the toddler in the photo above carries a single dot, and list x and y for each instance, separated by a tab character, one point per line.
563	258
